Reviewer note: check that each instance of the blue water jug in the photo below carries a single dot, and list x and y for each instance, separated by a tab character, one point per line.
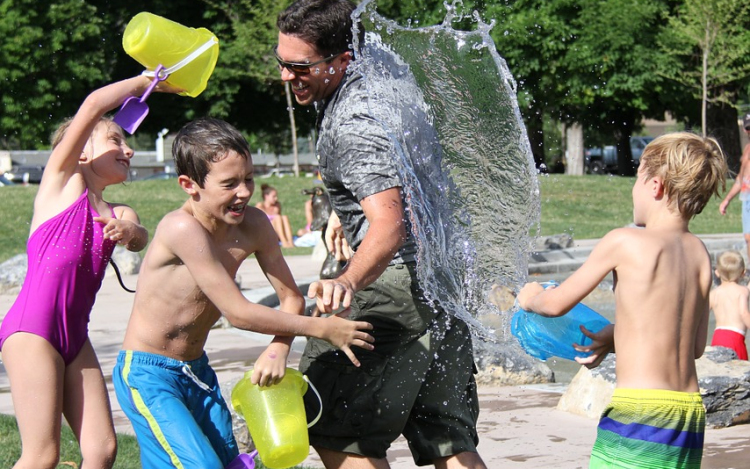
543	337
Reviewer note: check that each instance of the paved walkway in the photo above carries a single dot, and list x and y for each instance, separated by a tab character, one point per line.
519	425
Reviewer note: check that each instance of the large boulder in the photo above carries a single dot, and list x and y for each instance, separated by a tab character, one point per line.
724	384
12	273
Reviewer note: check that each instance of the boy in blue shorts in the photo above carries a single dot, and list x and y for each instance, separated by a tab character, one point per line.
162	377
662	281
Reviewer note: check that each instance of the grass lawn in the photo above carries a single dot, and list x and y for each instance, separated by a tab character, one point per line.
128	454
583	206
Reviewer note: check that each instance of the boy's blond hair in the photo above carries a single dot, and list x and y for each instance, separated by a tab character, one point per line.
691	167
730	266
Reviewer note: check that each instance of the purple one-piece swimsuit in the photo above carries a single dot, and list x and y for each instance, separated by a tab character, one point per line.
68	256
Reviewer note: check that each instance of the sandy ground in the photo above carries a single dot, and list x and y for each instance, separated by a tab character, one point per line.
518	426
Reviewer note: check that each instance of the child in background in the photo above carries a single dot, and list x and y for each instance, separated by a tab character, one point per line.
51	364
662	281
271	206
163	380
729	302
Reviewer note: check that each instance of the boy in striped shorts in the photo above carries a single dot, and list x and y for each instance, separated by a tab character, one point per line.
662	281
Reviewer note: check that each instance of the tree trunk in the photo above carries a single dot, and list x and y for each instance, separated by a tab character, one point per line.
722	125
625	166
574	149
534	129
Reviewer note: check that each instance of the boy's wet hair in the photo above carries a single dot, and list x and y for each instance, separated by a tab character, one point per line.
692	169
730	266
204	141
326	24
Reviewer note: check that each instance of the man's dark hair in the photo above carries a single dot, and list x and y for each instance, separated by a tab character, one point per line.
326	24
204	141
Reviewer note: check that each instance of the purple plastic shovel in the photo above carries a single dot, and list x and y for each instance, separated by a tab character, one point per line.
243	461
135	109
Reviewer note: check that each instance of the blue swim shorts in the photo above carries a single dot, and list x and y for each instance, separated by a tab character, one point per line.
177	412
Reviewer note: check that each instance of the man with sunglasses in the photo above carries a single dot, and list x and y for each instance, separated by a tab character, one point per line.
419	380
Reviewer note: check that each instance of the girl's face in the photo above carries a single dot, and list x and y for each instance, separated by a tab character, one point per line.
272	197
108	153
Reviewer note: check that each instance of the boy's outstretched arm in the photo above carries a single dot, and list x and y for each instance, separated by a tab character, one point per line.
186	238
270	366
557	301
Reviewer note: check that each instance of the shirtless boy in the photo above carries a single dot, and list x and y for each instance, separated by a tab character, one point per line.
662	281
729	302
162	378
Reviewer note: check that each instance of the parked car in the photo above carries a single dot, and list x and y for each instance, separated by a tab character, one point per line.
604	159
159	175
25	174
4	181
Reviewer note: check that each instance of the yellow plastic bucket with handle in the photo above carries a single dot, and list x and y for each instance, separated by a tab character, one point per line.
276	418
188	55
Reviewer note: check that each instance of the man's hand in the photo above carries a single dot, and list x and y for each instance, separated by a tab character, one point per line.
330	295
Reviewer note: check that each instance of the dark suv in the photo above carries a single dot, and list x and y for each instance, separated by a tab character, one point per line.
25	174
604	160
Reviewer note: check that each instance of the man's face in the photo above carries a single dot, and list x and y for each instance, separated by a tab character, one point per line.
318	81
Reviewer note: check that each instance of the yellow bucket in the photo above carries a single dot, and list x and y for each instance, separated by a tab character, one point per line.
276	418
188	55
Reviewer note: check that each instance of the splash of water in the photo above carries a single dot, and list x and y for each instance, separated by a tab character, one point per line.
470	179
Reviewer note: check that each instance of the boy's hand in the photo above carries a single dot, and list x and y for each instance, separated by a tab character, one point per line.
603	342
343	334
527	293
270	366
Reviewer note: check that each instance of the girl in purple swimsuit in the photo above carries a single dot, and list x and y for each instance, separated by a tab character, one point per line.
50	362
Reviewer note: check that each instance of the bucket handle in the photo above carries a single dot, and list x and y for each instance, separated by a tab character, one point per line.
192	56
320	412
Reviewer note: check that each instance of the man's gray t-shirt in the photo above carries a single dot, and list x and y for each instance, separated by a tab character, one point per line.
357	160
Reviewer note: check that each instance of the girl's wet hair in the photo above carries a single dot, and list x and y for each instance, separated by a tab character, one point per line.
692	169
59	133
204	141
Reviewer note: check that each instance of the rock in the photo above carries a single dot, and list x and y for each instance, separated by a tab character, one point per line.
505	364
239	427
590	390
128	262
554	242
725	387
12	274
724	384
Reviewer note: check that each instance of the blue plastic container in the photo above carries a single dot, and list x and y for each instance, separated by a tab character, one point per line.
543	337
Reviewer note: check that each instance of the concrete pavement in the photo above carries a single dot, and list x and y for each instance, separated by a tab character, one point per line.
519	425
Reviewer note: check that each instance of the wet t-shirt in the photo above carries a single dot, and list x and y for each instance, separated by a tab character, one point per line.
357	159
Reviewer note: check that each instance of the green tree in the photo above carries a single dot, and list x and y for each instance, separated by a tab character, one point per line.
706	49
51	55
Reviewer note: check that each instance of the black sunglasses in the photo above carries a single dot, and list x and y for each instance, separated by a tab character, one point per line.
300	68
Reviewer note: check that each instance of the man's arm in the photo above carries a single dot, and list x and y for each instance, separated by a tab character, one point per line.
385	214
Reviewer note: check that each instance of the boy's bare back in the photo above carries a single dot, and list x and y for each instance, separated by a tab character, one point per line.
663	278
173	311
729	302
